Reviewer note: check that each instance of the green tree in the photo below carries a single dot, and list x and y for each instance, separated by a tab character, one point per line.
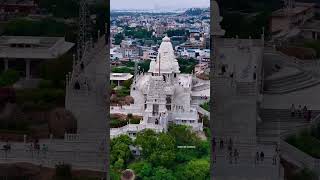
114	174
305	174
142	169
146	171
144	66
183	135
158	149
161	173
195	169
45	27
64	9
118	38
63	172
122	70
9	77
127	83
177	32
147	140
187	65
49	70
164	153
120	151
119	164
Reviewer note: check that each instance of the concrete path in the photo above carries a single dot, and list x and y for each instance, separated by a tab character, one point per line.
80	156
309	97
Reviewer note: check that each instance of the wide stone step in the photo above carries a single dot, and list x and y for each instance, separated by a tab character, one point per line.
305	85
281	127
289	82
287	78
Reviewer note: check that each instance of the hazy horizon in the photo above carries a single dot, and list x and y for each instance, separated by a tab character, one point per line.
157	4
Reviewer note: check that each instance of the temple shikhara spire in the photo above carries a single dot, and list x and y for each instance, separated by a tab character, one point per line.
163	95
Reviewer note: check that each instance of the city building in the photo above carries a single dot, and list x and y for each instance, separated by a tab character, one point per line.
119	78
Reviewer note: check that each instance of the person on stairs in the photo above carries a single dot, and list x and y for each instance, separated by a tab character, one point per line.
236	156
261	156
293	110
305	111
300	110
221	143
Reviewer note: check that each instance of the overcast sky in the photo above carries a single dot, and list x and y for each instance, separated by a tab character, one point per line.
157	4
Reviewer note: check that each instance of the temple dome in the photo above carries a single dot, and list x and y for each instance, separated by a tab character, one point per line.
166	39
166	58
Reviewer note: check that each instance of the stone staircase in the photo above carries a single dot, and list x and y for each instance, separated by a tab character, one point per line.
290	83
246	162
246	89
278	121
200	87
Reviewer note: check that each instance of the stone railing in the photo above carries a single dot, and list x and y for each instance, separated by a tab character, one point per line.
89	160
313	66
71	137
203	111
303	158
310	65
238	139
126	110
182	115
114	132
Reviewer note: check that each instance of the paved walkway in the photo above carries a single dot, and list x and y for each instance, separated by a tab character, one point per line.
285	71
80	156
246	166
309	97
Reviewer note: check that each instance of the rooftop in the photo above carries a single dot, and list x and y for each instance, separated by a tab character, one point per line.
298	9
120	76
33	47
314	24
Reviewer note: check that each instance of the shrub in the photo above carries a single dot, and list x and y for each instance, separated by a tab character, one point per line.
116	123
205	120
135	121
123	92
45	84
40	98
63	170
205	106
129	115
127	83
8	77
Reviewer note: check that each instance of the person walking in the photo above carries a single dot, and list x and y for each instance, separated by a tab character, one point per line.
214	144
261	156
236	156
230	144
230	157
309	115
293	110
305	111
44	150
300	110
257	158
221	143
274	159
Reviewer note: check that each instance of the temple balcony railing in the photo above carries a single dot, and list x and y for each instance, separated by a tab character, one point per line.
69	137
